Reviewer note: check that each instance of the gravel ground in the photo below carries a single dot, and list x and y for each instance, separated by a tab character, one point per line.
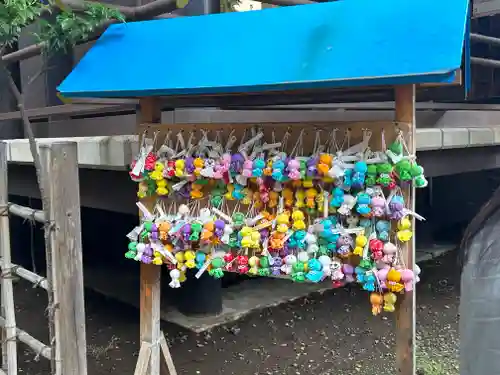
333	333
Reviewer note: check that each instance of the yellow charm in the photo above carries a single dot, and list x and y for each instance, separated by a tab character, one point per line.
299	196
310	197
389	302
157	173
288	197
196	192
253	263
358	251
179	167
189	256
158	259
161	187
229	193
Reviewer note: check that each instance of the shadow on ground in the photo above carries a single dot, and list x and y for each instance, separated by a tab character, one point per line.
332	333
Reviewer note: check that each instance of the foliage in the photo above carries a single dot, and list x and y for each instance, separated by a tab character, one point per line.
16	14
65	28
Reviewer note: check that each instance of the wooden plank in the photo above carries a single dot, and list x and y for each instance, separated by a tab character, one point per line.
9	344
150	284
406	314
457	81
168	357
66	248
141	367
68	110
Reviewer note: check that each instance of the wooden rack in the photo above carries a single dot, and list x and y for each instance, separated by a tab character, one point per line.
152	339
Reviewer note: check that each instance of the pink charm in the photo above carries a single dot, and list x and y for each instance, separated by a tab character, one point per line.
407	278
378	206
247	168
293	169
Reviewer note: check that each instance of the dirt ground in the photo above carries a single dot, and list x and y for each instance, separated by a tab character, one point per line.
333	333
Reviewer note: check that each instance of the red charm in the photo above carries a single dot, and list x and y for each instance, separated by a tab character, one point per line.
242	261
150	162
376	248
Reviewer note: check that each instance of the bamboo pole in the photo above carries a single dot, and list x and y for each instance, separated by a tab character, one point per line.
61	164
26	213
9	345
27	275
36	345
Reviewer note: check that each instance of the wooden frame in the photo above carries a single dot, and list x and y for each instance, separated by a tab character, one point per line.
152	339
68	352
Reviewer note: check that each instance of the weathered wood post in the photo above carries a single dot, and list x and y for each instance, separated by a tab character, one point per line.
406	314
9	344
152	339
60	161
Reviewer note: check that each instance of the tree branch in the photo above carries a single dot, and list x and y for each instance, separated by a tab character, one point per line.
41	178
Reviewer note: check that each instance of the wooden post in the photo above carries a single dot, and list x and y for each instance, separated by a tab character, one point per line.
9	345
406	314
152	339
150	287
60	161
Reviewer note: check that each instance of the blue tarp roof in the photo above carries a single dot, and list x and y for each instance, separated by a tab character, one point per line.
326	45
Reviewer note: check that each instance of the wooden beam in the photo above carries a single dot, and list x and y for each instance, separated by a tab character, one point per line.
150	283
61	164
9	336
68	110
406	314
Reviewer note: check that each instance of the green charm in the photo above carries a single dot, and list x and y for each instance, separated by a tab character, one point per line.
403	168
371	175
130	254
238	219
217	265
396	147
148	226
196	229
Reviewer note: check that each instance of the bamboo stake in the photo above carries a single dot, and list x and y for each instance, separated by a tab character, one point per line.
36	345
26	213
27	275
9	345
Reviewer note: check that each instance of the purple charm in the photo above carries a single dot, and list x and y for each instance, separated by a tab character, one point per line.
219	227
146	259
148	250
312	166
189	164
186	232
237	161
345	240
344	250
276	268
153	236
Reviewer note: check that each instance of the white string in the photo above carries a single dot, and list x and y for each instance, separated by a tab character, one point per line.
299	142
